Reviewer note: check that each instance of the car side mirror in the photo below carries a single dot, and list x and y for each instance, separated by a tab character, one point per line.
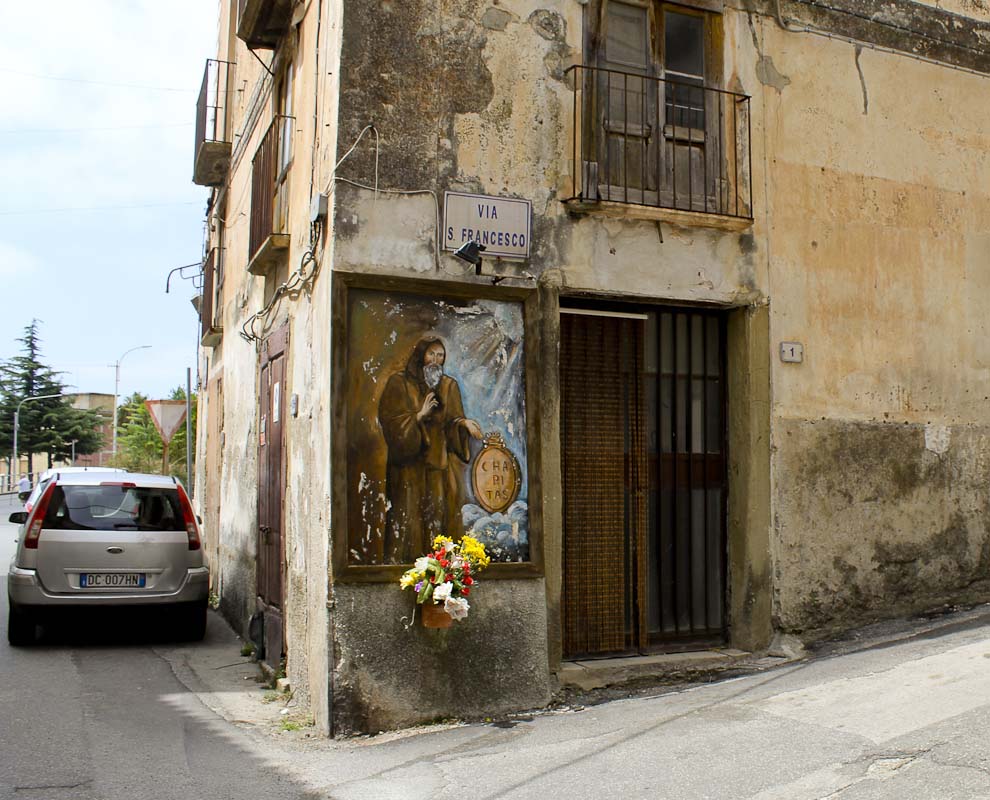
18	517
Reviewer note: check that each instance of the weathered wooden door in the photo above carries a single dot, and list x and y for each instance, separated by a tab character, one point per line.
643	455
271	489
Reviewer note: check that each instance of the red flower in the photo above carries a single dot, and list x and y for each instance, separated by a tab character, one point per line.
468	580
444	563
465	591
449	577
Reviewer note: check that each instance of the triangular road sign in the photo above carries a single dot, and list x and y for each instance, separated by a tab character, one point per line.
167	416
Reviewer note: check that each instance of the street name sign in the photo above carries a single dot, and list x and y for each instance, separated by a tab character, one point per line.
501	224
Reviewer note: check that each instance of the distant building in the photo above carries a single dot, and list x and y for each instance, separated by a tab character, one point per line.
103	403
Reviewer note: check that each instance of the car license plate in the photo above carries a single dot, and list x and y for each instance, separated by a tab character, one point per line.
111	580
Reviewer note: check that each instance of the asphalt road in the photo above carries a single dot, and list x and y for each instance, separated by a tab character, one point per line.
93	712
901	710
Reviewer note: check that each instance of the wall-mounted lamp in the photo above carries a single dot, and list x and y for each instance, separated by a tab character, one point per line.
470	252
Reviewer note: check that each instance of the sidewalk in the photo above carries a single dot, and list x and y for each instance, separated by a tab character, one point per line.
236	689
885	706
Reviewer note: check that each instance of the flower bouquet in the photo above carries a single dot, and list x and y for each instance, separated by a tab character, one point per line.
446	576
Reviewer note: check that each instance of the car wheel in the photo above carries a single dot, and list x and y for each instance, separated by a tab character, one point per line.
20	626
190	621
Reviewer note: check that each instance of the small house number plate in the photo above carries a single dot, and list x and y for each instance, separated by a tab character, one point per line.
792	352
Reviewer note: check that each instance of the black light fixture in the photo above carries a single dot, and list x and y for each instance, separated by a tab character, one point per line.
471	252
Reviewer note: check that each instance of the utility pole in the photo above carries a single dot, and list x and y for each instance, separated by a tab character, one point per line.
116	390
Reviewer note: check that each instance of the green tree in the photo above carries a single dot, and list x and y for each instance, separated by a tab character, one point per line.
139	445
44	426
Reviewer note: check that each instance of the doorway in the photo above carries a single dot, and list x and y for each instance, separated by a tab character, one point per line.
643	441
271	488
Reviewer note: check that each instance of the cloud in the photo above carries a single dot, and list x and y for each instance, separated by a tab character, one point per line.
15	262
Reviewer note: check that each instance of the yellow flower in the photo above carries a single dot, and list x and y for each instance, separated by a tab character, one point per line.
407	580
441	541
474	551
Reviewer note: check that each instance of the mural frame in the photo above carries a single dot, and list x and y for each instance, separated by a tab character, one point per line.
342	569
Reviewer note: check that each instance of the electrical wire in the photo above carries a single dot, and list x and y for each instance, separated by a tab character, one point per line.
11	213
95	83
4	131
291	287
377	189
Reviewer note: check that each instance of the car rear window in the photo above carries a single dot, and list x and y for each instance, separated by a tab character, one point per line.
114	508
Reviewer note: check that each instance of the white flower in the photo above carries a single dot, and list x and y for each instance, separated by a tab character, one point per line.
442	592
457	562
422	563
448	546
457	607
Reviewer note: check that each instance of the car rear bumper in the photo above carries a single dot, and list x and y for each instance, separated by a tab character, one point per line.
24	588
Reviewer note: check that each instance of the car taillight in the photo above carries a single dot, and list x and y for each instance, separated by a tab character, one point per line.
37	518
192	530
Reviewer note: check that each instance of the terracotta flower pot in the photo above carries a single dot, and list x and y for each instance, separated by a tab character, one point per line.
434	616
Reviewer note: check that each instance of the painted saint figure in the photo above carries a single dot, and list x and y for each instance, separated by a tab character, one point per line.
428	437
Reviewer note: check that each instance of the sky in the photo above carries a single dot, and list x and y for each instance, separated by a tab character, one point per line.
97	203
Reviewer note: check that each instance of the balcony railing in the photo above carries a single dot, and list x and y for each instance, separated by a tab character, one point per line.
212	154
262	23
269	195
211	305
654	142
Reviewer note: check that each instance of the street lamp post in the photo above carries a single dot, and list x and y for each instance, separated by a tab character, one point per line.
17	417
116	390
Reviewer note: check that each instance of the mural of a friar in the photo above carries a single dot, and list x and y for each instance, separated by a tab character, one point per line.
427	435
437	428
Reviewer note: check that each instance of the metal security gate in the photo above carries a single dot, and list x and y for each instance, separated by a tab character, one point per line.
643	455
688	479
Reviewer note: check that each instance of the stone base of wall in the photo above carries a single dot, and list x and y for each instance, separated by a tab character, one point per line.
877	520
391	673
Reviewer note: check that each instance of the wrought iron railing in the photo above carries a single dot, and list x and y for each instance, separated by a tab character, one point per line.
651	141
269	170
212	102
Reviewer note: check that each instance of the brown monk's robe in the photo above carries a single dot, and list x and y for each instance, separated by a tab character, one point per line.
426	462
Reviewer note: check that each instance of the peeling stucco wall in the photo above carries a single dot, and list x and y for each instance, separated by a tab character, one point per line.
882	519
878	170
391	672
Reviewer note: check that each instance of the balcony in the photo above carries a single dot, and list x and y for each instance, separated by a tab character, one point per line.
211	302
654	148
262	23
268	238
212	153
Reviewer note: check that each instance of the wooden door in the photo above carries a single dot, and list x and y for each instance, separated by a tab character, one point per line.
271	488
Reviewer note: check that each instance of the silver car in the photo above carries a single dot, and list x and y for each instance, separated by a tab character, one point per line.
99	539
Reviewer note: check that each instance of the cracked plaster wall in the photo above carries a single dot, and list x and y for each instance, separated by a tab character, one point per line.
474	97
878	170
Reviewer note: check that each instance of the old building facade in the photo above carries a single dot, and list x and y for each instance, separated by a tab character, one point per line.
727	330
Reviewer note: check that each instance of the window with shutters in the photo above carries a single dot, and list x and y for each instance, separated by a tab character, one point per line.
653	125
